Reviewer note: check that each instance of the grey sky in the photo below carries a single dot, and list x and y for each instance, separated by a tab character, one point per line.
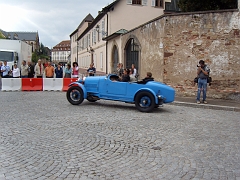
54	20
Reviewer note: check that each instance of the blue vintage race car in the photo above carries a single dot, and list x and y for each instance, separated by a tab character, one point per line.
146	95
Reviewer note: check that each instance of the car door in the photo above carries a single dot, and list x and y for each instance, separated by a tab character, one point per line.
116	88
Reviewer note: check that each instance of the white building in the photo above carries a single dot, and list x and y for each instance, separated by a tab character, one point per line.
61	52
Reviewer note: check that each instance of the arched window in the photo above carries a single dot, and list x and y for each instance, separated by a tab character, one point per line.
132	53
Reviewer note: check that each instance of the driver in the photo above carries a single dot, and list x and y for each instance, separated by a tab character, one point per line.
125	77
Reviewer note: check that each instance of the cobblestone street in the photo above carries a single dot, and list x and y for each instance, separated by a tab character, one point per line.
43	136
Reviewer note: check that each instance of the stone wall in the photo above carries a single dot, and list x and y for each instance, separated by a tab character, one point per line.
172	45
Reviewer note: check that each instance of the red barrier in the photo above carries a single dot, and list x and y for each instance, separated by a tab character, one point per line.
67	81
32	84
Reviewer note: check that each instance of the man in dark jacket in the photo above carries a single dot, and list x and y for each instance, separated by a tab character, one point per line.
148	77
59	71
125	76
30	70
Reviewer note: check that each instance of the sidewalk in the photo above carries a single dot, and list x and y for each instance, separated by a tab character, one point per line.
83	72
218	104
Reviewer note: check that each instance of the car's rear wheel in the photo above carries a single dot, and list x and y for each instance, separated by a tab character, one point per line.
75	95
144	101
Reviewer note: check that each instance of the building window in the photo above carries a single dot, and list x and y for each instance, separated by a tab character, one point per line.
89	40
98	34
94	35
157	3
137	2
103	28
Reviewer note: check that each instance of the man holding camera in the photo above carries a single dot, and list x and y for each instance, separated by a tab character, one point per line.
203	73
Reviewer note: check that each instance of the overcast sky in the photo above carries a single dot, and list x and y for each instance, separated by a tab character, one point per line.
54	20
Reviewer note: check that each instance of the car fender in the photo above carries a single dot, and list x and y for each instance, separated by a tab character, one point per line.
81	86
149	90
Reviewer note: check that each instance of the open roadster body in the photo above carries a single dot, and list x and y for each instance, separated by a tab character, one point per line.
145	95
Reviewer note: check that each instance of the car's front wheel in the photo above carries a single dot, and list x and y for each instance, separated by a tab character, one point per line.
75	95
144	101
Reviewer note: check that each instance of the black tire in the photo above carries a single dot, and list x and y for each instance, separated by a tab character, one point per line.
145	101
75	95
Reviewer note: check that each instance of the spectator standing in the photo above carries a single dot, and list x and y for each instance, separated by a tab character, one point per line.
5	69
203	73
75	70
134	70
16	71
120	70
0	75
132	77
24	69
91	70
30	70
1	69
49	70
39	69
68	71
59	71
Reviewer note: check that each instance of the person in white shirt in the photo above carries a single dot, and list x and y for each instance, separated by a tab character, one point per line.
134	71
16	71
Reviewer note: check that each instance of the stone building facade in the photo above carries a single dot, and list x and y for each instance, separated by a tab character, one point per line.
171	45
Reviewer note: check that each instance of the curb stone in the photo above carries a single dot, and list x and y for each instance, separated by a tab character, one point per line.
205	106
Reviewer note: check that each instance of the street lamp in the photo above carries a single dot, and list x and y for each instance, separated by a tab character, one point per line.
91	51
104	33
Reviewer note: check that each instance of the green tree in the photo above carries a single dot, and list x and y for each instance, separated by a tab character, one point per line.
2	36
40	54
34	57
200	5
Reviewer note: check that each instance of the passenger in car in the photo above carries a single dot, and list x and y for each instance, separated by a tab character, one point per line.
132	77
148	77
125	77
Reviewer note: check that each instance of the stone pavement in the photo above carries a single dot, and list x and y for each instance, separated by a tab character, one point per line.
42	136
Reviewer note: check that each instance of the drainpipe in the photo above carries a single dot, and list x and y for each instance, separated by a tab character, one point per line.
107	48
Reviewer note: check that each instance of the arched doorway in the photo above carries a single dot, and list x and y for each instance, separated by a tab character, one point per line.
115	58
132	54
